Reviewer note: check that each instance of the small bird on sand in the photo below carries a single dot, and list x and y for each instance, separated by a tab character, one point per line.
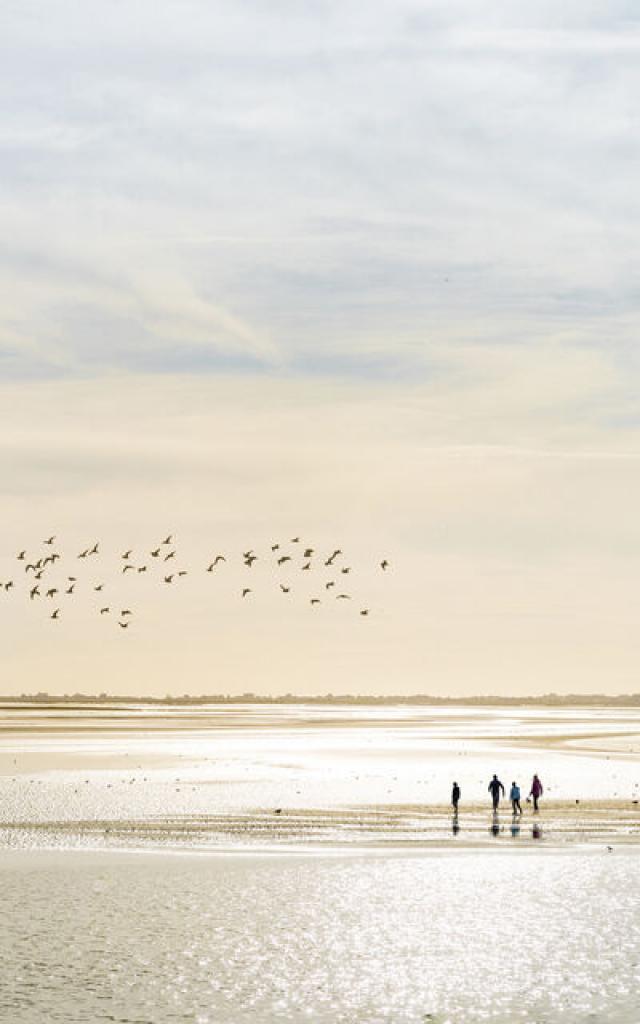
365	611
99	586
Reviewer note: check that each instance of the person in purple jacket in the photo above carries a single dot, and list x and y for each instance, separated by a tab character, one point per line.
536	791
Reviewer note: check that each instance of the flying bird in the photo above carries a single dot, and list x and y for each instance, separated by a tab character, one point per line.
127	554
125	611
305	568
283	559
343	597
21	556
168	579
315	600
99	587
365	611
142	568
285	590
34	592
247	590
104	611
129	566
70	589
83	554
155	553
182	572
295	540
308	552
219	558
168	540
8	585
49	541
171	554
328	585
384	564
55	614
275	547
94	549
346	570
123	625
52	592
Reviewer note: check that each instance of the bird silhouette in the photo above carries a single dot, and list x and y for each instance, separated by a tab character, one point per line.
104	611
307	567
155	553
219	558
384	564
295	540
328	585
345	570
247	590
171	554
169	539
315	600
83	554
52	592
127	567
285	590
182	572
343	597
365	611
127	554
49	541
55	614
123	625
21	556
142	568
168	579
249	561
70	589
94	549
283	559
34	592
125	611
8	585
275	547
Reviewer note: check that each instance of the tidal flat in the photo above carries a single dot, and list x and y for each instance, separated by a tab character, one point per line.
298	863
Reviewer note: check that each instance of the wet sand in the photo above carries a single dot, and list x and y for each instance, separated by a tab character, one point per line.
312	776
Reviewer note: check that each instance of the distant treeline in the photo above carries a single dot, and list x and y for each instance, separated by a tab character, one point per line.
547	699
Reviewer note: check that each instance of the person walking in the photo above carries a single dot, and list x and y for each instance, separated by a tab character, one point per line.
536	791
455	797
494	788
514	796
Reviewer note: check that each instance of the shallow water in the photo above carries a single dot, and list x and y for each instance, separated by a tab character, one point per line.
470	937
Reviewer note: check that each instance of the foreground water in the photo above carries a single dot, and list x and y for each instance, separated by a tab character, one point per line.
470	937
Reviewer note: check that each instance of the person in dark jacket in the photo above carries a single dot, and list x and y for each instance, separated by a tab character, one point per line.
455	797
536	791
494	788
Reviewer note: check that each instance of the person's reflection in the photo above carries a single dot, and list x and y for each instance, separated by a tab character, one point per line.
455	827
515	828
536	832
494	828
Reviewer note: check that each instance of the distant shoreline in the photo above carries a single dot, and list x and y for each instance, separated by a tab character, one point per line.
345	700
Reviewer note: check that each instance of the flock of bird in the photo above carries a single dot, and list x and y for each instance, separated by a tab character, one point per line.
40	580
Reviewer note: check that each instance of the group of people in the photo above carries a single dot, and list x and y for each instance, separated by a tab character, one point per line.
496	788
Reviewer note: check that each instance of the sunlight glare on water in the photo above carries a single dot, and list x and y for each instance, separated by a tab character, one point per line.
540	937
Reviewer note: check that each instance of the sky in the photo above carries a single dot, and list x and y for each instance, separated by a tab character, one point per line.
362	273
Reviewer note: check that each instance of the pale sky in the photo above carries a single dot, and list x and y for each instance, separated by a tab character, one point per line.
367	273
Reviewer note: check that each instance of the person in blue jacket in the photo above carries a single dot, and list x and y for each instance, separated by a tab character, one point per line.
514	796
